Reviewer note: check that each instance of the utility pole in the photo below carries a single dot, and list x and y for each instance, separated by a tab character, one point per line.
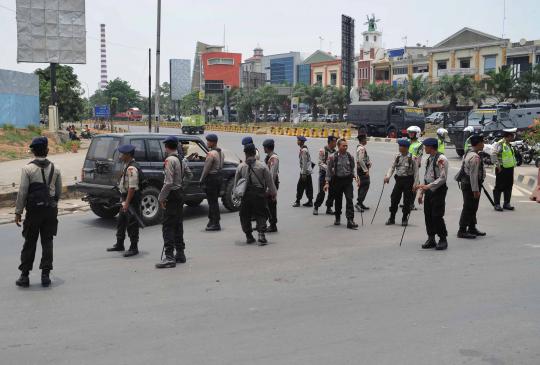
149	90
157	64
54	121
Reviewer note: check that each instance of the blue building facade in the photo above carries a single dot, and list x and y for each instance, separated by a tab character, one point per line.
19	98
282	71
304	74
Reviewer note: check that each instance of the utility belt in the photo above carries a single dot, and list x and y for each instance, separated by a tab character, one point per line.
361	172
347	177
403	177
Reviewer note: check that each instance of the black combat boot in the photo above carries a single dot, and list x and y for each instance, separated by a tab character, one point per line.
405	221
309	203
296	204
364	207
272	229
133	250
507	206
23	280
359	208
167	262
476	232
498	208
45	279
118	247
462	233
442	244
316	211
262	239
329	211
430	243
351	224
249	238
391	220
180	257
337	222
213	227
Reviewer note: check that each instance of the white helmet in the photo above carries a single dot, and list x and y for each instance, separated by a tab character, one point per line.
442	132
469	129
414	129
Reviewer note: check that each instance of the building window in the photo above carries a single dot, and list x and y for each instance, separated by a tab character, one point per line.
367	38
441	65
282	71
420	69
465	63
399	70
490	63
374	38
333	79
318	78
221	61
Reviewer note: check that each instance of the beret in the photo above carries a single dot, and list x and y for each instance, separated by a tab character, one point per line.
431	142
39	141
247	140
126	148
404	142
301	138
212	137
170	139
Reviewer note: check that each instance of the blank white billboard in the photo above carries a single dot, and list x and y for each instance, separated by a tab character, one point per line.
51	31
180	72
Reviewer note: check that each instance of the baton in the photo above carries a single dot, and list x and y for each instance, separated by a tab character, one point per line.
362	215
488	196
404	229
379	202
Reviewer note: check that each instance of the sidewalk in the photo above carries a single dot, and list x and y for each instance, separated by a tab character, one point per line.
68	206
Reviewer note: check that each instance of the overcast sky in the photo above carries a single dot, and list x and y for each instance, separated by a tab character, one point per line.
277	26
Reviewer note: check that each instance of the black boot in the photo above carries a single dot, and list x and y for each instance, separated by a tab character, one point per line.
213	227
507	206
337	222
309	203
359	208
272	229
316	211
462	233
23	280
329	211
364	207
430	243
296	204
167	262
498	208
118	247
249	238
262	239
133	250
391	220
476	232
405	221
45	279
180	257
351	224
442	244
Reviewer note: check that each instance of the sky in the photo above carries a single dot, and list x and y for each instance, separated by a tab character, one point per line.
277	26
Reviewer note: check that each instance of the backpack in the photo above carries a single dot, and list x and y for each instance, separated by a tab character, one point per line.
143	181
38	192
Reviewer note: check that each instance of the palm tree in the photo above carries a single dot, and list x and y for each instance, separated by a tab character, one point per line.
501	84
310	94
418	89
267	96
335	99
453	88
381	91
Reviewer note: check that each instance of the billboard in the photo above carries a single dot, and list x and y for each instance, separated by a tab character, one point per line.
347	51
19	98
180	75
51	31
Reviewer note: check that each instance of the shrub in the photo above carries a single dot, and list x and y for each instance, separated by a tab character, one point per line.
8	127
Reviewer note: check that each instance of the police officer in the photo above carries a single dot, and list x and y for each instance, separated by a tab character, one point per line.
406	176
433	195
171	199
441	136
470	178
129	188
324	152
39	192
306	169
272	162
504	159
363	164
247	140
467	134
211	178
340	175
259	185
415	149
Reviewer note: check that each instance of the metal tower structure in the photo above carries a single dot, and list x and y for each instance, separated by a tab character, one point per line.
103	83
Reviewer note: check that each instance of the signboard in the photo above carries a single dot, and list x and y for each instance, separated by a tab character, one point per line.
180	75
201	95
284	90
51	31
102	111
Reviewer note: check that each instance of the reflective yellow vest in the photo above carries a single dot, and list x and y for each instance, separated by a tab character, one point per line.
415	148
442	146
508	159
467	144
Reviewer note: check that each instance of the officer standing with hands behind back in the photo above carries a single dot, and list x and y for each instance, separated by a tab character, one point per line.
171	199
363	164
211	178
39	192
306	169
324	153
272	162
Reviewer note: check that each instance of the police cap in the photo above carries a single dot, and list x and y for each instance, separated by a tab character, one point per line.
269	143
126	148
431	142
247	140
332	138
39	142
404	142
301	138
212	137
171	139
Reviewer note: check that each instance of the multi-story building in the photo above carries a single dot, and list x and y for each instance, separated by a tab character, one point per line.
220	70
370	52
408	62
326	73
281	69
252	72
304	69
200	49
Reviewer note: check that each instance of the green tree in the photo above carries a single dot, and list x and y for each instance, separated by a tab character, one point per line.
310	95
267	96
189	104
335	99
69	91
382	91
126	95
418	89
528	85
452	89
501	84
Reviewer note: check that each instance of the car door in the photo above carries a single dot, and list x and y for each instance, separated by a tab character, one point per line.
195	153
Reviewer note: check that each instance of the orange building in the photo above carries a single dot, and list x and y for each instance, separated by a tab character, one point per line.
326	73
221	69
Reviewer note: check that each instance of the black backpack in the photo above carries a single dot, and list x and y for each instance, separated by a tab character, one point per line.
143	181
38	192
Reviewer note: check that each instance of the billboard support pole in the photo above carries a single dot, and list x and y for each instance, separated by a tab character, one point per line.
149	90
53	108
158	91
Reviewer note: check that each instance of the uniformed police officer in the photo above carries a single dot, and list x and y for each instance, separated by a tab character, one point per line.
433	195
363	165
211	178
247	140
406	176
467	133
416	148
504	159
171	199
259	185
131	198
441	136
306	169
39	192
272	162
324	152
340	175
471	178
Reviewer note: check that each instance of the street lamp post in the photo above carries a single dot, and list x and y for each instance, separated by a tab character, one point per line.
157	92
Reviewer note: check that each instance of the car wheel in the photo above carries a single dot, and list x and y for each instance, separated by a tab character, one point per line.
150	209
193	203
104	211
228	200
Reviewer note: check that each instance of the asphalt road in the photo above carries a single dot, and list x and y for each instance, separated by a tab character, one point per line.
317	294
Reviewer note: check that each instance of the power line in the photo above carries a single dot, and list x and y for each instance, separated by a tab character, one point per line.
10	9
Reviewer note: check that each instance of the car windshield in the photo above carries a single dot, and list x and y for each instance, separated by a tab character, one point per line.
475	116
103	148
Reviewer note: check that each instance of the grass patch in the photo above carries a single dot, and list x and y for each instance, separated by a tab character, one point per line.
8	127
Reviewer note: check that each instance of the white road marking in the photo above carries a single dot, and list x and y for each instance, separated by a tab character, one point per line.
532	246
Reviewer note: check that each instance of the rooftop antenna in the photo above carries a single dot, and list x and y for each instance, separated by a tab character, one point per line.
224	42
321	39
504	18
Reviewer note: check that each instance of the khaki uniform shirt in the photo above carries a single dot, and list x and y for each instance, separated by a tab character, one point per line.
474	167
213	163
305	161
403	165
175	171
438	169
262	179
32	174
129	178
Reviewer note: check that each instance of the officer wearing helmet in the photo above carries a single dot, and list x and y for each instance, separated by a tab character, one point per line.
467	134
504	159
39	192
441	136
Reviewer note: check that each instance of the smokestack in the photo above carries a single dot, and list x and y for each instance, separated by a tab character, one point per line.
103	83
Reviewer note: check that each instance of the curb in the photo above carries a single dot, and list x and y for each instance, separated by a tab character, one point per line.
8	199
526	180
